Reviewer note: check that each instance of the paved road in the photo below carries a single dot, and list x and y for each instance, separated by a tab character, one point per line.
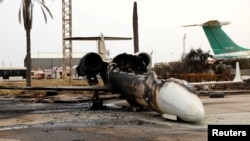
75	122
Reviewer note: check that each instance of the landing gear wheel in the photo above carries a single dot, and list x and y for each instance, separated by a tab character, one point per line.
97	104
51	93
134	105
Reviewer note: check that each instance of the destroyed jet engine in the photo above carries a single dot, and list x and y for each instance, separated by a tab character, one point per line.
146	59
90	65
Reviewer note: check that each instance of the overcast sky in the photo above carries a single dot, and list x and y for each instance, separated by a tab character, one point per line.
160	28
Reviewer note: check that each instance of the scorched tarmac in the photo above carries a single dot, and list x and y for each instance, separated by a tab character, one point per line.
75	122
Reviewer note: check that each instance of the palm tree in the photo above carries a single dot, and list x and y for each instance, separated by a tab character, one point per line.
26	13
197	60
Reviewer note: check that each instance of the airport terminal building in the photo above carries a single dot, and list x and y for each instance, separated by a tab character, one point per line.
49	60
49	64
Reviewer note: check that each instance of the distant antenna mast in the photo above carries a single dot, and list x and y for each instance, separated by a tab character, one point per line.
3	62
184	47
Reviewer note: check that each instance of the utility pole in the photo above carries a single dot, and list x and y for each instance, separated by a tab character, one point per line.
67	33
135	28
184	48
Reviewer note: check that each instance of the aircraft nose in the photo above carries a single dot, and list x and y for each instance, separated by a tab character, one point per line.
175	99
194	112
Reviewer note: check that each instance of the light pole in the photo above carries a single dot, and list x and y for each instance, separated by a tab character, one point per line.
184	47
153	52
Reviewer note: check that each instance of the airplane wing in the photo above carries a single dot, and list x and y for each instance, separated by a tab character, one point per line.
98	38
101	37
101	45
237	79
60	88
215	82
210	23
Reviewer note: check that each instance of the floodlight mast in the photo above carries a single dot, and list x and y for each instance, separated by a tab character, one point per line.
67	33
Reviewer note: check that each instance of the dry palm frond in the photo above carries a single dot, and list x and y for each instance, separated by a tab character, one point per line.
26	12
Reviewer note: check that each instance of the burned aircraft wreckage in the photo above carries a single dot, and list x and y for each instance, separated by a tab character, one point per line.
130	76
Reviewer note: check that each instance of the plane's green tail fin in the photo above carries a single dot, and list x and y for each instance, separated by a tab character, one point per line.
219	40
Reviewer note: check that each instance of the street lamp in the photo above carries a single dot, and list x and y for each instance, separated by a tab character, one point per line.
153	52
184	47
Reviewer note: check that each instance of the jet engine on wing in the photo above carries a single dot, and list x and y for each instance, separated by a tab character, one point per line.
90	65
138	63
146	59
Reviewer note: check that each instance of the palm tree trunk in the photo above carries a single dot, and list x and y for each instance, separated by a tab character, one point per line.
28	59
